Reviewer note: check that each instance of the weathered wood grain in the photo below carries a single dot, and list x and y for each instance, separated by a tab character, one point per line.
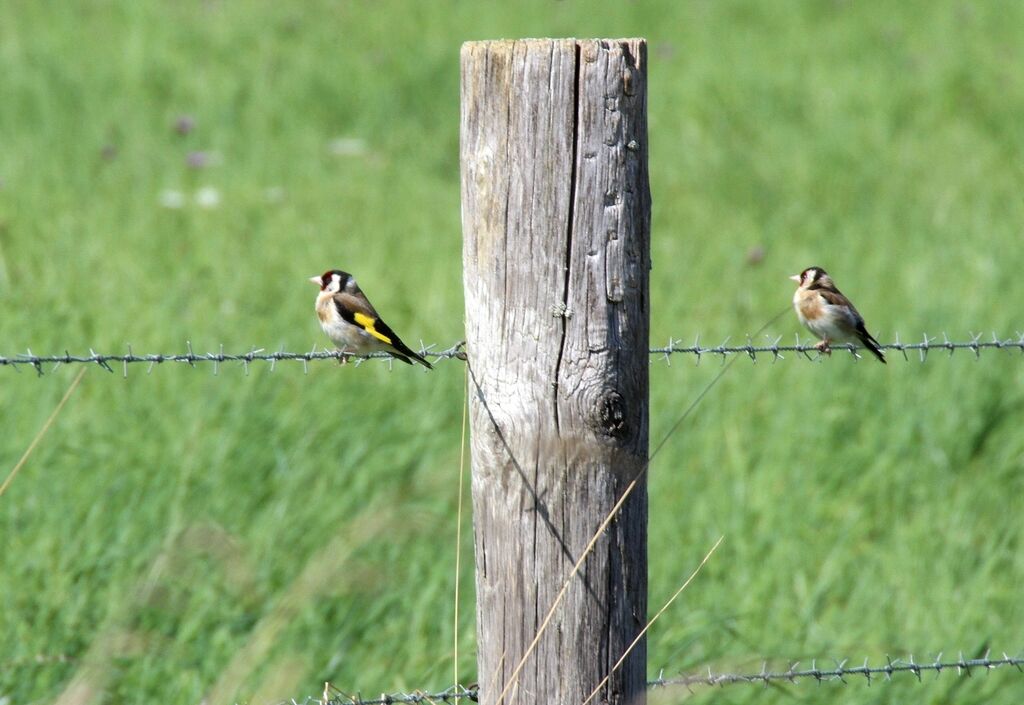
556	228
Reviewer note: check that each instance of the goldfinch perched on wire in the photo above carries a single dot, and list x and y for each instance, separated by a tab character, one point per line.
350	321
828	314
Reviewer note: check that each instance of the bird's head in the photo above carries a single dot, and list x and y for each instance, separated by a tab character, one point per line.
811	277
333	281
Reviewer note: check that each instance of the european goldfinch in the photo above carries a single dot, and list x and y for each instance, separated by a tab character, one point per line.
828	314
350	321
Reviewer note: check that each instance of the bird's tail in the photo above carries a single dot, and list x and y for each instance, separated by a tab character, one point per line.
403	352
873	345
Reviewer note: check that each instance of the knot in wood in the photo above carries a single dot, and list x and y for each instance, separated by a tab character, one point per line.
611	415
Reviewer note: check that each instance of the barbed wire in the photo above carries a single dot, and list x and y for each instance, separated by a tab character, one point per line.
339	697
839	672
812	352
192	358
457	351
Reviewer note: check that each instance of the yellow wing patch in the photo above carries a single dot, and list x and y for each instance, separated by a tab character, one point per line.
367	323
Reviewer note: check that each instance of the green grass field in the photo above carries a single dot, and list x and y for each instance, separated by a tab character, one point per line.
180	536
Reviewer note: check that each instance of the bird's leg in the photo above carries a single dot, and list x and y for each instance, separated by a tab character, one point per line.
342	359
823	347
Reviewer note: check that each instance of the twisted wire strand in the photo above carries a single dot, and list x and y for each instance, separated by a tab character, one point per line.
449	695
775	349
838	672
192	358
772	348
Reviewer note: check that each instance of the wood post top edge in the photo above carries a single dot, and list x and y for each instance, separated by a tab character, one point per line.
540	41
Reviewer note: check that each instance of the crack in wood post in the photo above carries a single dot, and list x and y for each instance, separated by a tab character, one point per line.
565	310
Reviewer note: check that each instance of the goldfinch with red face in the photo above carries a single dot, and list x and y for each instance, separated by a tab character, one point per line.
350	321
828	314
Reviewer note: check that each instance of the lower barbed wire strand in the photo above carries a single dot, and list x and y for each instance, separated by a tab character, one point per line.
793	673
839	672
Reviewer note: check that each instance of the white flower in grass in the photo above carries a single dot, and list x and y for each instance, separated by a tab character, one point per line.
207	197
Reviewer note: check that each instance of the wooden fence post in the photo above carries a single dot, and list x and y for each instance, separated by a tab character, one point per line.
556	253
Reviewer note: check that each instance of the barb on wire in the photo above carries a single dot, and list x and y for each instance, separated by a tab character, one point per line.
772	347
840	671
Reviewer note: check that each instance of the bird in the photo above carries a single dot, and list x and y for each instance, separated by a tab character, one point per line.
829	314
351	322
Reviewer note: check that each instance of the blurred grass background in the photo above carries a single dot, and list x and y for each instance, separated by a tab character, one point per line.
180	536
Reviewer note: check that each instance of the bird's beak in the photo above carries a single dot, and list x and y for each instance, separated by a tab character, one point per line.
316	280
796	278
